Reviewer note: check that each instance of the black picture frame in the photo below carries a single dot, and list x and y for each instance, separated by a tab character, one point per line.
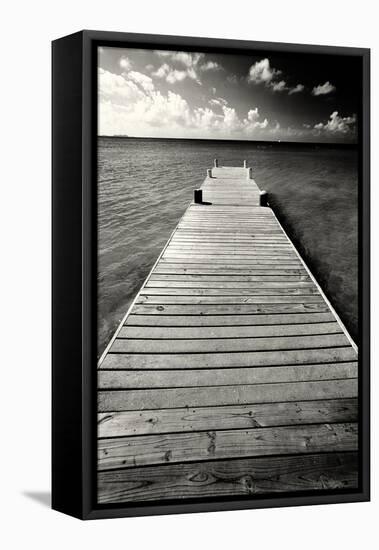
74	254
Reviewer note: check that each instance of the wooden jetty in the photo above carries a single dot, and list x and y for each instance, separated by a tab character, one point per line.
231	374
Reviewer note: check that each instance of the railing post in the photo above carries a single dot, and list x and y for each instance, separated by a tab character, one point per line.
215	163
249	173
209	172
263	198
197	196
245	163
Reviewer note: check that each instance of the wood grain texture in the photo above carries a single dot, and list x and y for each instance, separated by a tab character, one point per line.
129	379
232	320
170	333
238	477
183	447
218	345
125	400
222	360
144	422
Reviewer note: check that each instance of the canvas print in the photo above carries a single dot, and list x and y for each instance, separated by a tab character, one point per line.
227	252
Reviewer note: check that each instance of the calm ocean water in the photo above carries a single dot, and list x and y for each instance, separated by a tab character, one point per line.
145	185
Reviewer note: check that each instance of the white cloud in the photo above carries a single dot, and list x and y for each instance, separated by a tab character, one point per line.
182	65
172	75
219	101
125	63
130	104
323	89
252	121
119	90
176	76
210	66
261	71
143	80
186	58
338	125
280	86
296	89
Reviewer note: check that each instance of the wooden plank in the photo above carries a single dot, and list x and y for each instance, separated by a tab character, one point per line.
184	447
229	271
229	309
221	360
226	320
246	300
239	477
269	263
208	278
130	400
222	268
191	284
217	345
240	293
129	379
262	415
229	332
252	255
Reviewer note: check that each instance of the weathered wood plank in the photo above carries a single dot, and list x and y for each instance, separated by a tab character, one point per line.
217	345
208	278
262	415
246	308
221	360
184	447
227	320
196	270
128	379
191	284
236	300
270	263
230	478
230	291
229	332
131	400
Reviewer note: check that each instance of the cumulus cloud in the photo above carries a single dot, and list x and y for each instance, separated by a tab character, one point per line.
338	125
125	63
279	86
188	59
131	104
252	121
210	66
143	80
261	71
296	89
179	65
219	101
323	89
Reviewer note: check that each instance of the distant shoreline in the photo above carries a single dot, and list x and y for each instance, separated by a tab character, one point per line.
307	144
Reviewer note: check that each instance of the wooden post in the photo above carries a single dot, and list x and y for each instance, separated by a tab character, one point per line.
249	173
216	163
197	196
245	163
263	198
209	172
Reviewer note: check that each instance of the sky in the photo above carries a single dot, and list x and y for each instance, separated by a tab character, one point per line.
258	96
